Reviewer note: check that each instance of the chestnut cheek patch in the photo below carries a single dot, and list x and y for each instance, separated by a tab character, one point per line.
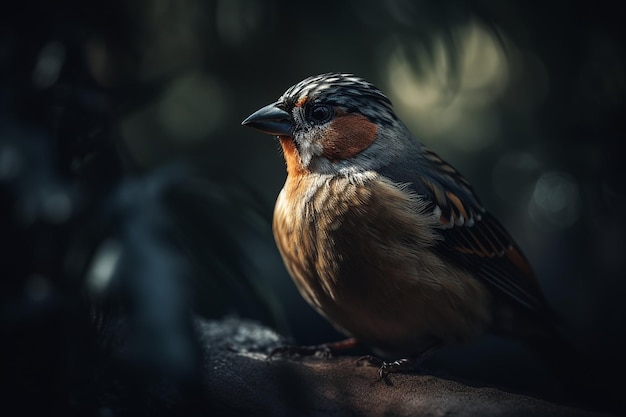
348	135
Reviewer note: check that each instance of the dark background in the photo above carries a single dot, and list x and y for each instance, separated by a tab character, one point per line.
128	187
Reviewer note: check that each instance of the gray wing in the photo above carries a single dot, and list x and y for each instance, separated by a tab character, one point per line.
472	237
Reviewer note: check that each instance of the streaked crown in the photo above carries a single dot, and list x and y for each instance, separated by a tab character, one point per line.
348	91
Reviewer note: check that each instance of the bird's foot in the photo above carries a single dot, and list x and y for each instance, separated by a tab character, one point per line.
324	350
405	365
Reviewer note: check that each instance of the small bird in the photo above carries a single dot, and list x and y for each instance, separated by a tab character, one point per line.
383	237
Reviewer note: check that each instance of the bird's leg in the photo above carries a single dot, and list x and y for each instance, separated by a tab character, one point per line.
412	364
399	366
325	350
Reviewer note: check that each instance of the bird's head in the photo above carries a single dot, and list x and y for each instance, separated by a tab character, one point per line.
334	124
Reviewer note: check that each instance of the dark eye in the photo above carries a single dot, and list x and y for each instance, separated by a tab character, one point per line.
321	113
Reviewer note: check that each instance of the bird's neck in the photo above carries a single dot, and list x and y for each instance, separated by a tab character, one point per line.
292	157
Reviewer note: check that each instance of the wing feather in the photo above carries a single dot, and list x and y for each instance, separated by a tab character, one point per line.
472	237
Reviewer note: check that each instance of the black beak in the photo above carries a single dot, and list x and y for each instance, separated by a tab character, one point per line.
271	120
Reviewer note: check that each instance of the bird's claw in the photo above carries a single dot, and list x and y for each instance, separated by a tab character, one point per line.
396	367
386	368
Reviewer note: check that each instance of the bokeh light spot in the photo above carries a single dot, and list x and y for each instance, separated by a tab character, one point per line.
103	266
556	201
49	65
451	106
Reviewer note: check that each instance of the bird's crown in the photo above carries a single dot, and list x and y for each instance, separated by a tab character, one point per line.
348	91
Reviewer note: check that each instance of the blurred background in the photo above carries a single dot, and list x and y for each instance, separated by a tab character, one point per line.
125	173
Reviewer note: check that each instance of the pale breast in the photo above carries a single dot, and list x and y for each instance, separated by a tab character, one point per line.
358	250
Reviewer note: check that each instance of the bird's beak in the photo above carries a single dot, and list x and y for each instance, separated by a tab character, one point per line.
271	120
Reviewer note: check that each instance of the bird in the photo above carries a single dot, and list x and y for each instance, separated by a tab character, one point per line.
385	239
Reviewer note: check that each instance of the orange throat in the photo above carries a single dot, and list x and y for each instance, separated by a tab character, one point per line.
292	157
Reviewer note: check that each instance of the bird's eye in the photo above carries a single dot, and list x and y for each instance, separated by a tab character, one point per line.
321	113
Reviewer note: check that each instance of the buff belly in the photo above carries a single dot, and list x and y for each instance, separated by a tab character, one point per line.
359	250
